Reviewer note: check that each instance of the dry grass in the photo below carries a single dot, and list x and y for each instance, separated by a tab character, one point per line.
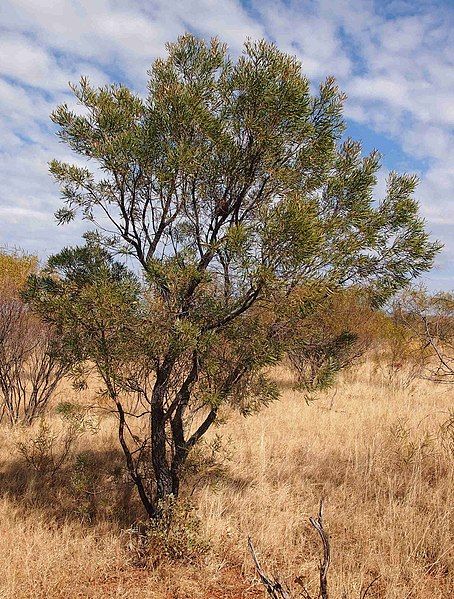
377	454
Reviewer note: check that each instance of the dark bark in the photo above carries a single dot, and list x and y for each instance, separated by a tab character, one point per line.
160	461
134	474
180	446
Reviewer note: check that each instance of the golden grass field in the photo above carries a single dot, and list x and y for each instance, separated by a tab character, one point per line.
377	453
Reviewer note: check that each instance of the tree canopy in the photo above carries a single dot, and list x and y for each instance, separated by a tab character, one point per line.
232	189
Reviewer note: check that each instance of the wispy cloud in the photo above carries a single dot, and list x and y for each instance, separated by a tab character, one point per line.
395	60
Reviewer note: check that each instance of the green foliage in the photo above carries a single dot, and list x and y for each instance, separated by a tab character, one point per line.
225	156
230	188
177	534
317	365
92	302
78	418
410	447
47	451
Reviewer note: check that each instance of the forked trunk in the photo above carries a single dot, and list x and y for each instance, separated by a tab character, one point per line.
159	456
160	461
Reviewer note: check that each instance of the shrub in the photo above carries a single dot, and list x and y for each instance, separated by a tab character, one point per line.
48	450
15	267
333	336
29	367
175	536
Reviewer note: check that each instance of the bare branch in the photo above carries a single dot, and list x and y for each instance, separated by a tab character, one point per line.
273	587
317	523
368	588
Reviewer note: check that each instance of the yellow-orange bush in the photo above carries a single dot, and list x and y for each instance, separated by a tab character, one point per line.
15	268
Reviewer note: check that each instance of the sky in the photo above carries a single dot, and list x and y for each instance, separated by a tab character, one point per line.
394	59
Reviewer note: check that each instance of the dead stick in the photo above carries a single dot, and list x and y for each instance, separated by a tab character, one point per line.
317	523
273	587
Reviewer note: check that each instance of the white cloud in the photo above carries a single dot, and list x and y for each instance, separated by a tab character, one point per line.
398	73
227	19
308	34
27	62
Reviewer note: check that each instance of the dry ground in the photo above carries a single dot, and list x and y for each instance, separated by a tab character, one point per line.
380	455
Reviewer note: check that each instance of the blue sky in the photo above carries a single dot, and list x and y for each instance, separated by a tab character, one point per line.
394	59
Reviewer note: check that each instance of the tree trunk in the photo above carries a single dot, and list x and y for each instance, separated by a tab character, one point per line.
159	459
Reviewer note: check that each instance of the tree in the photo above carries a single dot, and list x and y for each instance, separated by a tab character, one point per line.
29	367
428	320
328	337
230	188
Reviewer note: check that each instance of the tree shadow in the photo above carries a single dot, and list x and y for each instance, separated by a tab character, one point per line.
92	487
